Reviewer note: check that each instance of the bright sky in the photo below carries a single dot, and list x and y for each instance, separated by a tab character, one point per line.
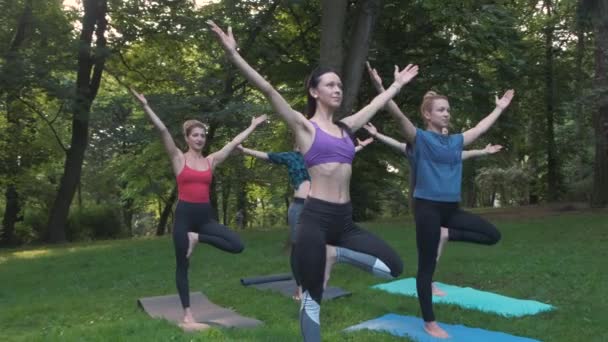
78	3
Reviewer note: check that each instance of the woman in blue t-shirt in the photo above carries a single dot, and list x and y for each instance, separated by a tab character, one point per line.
438	168
408	153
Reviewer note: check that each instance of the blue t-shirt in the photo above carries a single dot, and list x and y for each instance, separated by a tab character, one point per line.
296	169
438	164
409	154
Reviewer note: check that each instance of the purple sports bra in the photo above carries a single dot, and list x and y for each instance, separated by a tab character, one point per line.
328	149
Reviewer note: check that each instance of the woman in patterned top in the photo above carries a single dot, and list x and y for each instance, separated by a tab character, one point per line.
299	179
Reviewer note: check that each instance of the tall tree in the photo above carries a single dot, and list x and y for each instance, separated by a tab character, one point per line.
91	61
598	10
551	150
333	17
350	65
15	122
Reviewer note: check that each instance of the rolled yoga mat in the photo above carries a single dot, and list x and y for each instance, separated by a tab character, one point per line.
284	284
265	279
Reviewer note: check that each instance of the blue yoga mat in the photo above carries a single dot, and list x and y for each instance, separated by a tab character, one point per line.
470	298
412	327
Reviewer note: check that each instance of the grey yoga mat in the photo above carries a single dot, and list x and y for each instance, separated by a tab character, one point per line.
203	310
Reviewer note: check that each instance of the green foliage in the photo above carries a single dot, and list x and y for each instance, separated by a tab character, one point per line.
468	50
510	186
97	221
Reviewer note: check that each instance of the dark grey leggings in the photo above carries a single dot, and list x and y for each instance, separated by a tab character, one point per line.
293	214
430	216
323	223
198	217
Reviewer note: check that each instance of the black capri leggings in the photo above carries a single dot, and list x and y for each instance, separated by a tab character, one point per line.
430	216
198	217
324	223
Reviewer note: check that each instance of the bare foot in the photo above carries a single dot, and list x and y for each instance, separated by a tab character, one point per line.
330	260
193	326
433	329
192	242
188	318
297	296
437	291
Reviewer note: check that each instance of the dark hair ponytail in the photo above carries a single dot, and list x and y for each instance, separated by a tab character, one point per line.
312	81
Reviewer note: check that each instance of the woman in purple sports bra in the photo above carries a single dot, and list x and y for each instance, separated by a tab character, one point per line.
328	151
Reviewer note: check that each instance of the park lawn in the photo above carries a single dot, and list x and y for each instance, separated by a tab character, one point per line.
88	291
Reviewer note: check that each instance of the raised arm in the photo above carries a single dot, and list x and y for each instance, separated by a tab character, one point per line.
362	143
253	153
373	131
501	104
294	119
490	149
174	153
219	156
405	125
360	118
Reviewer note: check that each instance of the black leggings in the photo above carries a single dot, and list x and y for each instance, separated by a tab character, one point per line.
430	216
324	223
198	217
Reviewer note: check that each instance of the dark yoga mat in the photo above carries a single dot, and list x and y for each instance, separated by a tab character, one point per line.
284	284
265	279
203	310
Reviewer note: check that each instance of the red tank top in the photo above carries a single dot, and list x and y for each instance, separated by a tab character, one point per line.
193	185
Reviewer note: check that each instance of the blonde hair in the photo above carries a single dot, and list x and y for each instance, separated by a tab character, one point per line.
190	124
427	101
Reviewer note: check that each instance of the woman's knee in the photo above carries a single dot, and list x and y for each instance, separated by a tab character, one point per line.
494	236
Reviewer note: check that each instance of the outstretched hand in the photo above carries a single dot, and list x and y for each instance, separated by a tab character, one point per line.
407	74
140	97
365	142
226	38
374	76
491	149
505	100
371	129
260	119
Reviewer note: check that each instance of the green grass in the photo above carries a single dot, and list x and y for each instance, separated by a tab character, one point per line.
88	292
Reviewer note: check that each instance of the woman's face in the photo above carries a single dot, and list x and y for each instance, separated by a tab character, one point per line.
196	139
329	90
439	115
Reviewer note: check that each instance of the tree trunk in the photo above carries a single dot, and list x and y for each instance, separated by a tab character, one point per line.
166	212
553	183
90	68
333	16
127	214
11	216
599	196
580	114
13	131
353	69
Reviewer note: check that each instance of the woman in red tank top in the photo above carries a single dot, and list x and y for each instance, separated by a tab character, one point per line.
194	221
